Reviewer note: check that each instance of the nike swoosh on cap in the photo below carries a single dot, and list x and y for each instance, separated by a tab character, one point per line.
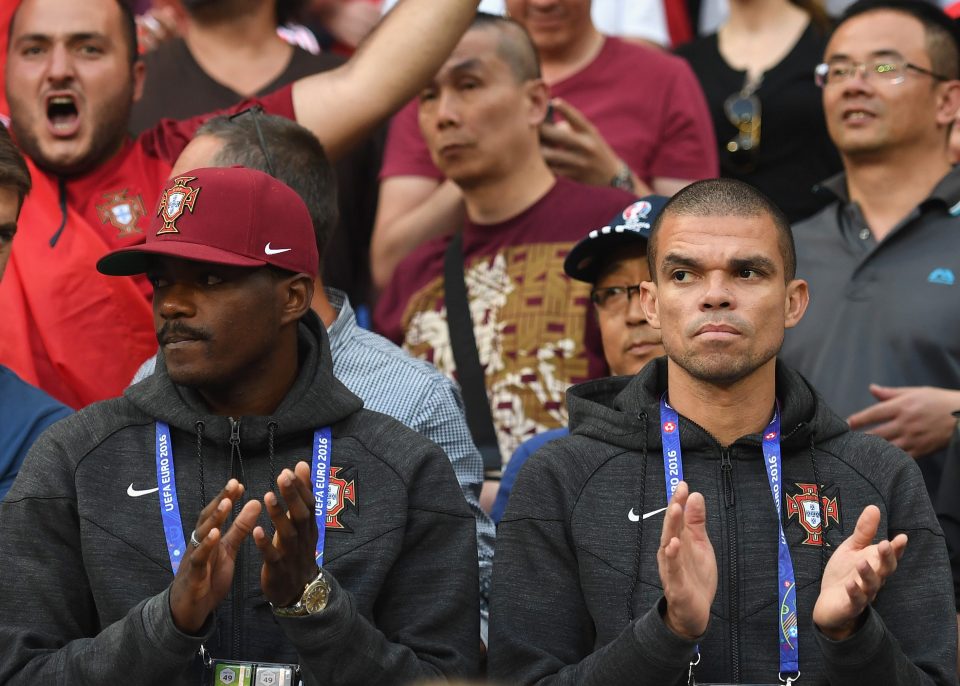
636	518
275	251
134	493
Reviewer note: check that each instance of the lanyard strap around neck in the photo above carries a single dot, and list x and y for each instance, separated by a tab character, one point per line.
170	507
788	629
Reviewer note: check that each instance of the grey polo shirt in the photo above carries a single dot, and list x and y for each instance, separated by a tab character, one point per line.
884	312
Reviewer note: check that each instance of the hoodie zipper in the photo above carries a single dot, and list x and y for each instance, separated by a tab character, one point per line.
729	501
235	472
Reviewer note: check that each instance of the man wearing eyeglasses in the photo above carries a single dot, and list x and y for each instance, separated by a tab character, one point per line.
879	339
72	76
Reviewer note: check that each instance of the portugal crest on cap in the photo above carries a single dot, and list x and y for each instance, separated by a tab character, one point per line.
174	201
122	211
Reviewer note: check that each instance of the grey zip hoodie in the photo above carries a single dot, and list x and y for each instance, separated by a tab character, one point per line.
577	597
84	599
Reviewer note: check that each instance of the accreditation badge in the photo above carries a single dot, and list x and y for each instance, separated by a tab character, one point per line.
236	673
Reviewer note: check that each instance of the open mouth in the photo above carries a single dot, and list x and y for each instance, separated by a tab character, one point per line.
62	115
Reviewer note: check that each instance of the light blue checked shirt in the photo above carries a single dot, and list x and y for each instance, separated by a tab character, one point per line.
413	392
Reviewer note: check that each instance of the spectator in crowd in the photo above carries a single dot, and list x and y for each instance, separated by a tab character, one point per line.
728	587
72	77
878	340
25	411
756	72
383	590
230	50
624	115
661	22
613	260
529	320
369	366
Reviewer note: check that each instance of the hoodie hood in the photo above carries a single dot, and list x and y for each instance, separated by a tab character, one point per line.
625	411
317	398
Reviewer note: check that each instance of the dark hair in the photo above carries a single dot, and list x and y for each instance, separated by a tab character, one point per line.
714	197
515	46
13	168
941	32
127	20
296	158
818	15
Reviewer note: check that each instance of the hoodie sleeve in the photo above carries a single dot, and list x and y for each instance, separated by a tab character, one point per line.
426	621
50	626
541	630
909	634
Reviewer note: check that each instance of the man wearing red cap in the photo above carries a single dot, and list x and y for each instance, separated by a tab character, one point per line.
72	76
384	590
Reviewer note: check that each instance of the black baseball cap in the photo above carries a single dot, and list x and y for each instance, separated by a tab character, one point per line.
630	227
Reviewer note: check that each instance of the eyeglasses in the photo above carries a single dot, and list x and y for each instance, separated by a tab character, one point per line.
614	298
744	111
887	69
255	113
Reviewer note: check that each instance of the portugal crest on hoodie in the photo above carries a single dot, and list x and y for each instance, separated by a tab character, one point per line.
813	512
122	211
340	493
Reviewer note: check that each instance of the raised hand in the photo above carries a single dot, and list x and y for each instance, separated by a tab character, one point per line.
289	560
573	147
688	566
206	573
854	576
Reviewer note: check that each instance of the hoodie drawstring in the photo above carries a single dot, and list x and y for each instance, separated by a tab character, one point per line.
643	491
824	520
271	435
62	186
203	494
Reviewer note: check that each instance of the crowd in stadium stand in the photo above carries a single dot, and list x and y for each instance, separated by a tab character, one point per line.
353	342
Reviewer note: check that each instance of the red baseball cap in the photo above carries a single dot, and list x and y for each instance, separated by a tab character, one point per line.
230	215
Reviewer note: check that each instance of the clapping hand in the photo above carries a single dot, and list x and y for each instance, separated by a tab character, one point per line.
854	575
688	566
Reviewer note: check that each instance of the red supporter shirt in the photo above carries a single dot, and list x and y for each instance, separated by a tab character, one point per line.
532	322
75	333
646	103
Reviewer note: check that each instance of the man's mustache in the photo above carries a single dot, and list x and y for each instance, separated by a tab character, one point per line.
180	331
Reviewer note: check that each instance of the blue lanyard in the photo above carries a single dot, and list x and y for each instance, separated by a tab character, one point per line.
788	632
170	507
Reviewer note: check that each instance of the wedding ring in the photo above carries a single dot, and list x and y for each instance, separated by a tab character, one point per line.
193	539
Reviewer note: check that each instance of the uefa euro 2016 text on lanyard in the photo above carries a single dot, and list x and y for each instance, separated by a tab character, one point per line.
788	635
177	546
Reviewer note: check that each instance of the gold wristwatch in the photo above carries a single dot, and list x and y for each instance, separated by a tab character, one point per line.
314	599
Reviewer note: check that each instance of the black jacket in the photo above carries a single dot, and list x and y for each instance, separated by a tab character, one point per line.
577	594
85	592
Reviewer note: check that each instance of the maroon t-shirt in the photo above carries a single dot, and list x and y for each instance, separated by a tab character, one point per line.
647	104
531	320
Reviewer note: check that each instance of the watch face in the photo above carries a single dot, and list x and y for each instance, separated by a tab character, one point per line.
315	597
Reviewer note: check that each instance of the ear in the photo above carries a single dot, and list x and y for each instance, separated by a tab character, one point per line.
948	102
648	301
297	294
139	73
538	96
798	297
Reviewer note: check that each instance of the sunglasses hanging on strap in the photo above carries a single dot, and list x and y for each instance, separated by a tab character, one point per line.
744	111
